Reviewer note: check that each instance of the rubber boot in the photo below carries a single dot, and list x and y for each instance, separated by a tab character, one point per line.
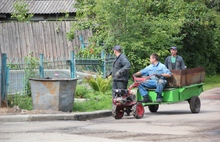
146	99
159	98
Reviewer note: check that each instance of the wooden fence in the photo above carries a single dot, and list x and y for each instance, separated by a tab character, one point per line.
18	39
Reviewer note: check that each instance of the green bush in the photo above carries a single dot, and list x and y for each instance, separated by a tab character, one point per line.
99	84
81	91
23	101
98	97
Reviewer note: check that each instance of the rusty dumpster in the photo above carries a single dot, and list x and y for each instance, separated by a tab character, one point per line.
53	94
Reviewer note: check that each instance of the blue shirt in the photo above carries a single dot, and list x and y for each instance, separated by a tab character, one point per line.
159	68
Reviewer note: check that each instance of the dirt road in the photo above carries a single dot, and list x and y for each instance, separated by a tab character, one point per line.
172	123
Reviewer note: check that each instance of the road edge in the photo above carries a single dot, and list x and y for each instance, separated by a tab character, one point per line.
53	117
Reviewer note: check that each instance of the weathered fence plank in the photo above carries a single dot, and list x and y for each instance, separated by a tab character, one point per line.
18	39
13	40
22	40
5	37
9	35
42	46
1	37
18	45
53	33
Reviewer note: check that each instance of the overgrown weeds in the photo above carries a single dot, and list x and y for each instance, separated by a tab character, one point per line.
23	101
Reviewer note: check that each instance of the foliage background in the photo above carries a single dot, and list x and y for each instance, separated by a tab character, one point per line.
143	27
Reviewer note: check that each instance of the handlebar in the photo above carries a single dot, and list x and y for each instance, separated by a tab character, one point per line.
138	80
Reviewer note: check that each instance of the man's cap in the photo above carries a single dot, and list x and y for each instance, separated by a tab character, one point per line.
117	47
174	48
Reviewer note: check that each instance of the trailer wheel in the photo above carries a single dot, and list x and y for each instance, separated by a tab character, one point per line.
117	111
195	104
138	110
153	108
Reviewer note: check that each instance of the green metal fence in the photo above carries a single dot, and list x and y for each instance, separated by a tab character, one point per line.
69	66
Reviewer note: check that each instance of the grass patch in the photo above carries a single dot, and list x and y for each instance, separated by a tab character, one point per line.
92	105
211	82
23	101
95	100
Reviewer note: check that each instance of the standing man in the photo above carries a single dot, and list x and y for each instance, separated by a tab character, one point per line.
174	62
158	73
120	70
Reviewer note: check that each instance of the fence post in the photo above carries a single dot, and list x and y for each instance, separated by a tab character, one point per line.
103	64
7	78
0	80
41	67
3	96
72	64
82	42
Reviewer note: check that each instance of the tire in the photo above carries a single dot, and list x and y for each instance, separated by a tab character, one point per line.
195	104
117	111
153	108
138	110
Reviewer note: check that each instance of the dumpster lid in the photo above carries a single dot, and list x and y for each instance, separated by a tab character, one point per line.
53	79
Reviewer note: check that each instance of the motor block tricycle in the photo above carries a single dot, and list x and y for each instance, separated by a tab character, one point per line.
184	85
125	101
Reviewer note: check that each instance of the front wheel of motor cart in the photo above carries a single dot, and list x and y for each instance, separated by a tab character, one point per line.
117	111
153	108
195	104
138	110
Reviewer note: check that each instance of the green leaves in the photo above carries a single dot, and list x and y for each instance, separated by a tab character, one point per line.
143	27
99	84
21	11
31	64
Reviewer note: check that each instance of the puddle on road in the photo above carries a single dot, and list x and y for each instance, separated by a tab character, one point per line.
213	132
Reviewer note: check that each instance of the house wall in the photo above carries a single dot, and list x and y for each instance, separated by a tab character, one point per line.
18	39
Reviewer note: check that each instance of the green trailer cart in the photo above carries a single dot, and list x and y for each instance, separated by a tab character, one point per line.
174	95
185	85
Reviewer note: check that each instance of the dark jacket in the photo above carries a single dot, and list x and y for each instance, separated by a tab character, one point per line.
178	65
120	67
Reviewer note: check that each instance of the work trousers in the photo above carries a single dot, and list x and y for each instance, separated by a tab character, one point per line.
151	84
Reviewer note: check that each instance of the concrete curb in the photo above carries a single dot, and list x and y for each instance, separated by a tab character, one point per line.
53	117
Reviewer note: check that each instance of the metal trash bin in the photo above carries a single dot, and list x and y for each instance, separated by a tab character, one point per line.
53	94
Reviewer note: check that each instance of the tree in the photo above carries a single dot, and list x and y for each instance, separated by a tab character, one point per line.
213	4
144	27
201	43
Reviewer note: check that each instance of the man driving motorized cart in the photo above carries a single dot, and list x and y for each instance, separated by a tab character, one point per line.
158	85
158	73
124	98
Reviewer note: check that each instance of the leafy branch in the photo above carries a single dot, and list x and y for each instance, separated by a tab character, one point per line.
21	11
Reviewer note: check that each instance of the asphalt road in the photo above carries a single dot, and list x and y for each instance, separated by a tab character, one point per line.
172	123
